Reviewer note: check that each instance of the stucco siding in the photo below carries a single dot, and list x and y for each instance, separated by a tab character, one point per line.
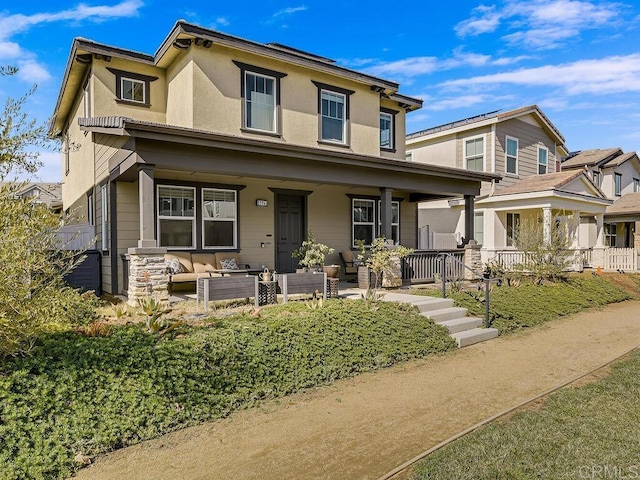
439	151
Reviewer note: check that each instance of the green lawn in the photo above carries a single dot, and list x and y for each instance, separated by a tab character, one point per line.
75	393
589	431
512	308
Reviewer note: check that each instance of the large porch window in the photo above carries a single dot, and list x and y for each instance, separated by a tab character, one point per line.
176	216
513	224
478	227
219	218
367	223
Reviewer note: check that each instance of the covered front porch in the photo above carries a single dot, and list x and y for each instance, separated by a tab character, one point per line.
177	189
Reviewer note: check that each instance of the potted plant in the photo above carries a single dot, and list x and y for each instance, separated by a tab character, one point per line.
382	263
311	254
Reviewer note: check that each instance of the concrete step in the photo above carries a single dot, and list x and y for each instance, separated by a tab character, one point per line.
443	314
476	335
461	324
433	303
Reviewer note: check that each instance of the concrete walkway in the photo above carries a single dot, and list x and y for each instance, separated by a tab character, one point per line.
362	428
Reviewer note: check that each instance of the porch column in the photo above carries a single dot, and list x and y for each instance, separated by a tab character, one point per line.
469	222
599	230
386	214
546	224
575	223
145	188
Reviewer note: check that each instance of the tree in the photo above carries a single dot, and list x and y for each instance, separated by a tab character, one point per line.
34	299
547	248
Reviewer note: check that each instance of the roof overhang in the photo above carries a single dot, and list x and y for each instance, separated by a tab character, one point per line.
556	199
171	147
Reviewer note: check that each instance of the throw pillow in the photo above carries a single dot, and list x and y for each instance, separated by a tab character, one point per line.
229	264
174	266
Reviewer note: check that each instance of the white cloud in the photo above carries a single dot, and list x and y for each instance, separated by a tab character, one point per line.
541	24
32	71
12	24
411	67
289	11
483	20
9	50
615	74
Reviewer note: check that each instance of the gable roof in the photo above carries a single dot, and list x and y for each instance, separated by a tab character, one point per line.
628	204
541	183
182	36
52	192
591	157
492	118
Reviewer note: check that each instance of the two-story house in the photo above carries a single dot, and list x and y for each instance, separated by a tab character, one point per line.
217	143
526	148
618	176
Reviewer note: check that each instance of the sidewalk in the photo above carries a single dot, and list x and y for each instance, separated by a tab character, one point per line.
364	427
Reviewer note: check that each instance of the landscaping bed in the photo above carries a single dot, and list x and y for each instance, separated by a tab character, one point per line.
586	431
526	304
76	395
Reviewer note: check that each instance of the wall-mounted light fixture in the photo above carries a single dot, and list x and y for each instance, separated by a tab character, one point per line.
182	43
261	203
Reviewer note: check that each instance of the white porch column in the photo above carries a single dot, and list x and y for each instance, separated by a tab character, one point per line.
575	223
546	224
599	230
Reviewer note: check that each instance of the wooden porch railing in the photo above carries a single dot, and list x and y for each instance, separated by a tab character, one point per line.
422	266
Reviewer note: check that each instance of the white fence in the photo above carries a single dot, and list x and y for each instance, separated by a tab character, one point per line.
625	259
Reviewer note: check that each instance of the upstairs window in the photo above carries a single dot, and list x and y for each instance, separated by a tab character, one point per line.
333	116
132	88
636	185
511	154
260	98
617	184
474	154
596	178
333	113
387	129
86	100
543	160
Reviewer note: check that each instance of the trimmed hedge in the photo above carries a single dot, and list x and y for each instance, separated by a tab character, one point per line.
77	394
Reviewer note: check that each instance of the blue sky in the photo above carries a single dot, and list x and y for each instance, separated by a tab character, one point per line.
579	60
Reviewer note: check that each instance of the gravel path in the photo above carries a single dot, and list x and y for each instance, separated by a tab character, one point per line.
362	428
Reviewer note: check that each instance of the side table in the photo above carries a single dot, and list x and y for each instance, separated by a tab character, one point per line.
267	292
332	287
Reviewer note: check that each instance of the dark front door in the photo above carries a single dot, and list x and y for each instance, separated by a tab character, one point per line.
289	230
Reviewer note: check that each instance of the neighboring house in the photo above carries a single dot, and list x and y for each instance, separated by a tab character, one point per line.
49	194
525	148
618	176
217	143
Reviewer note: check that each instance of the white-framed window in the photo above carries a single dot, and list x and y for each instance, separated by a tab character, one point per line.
636	185
474	153
364	224
617	184
478	227
395	220
596	178
260	102
132	90
176	216
408	156
543	160
386	131
219	218
610	233
332	113
104	220
91	217
511	155
513	224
